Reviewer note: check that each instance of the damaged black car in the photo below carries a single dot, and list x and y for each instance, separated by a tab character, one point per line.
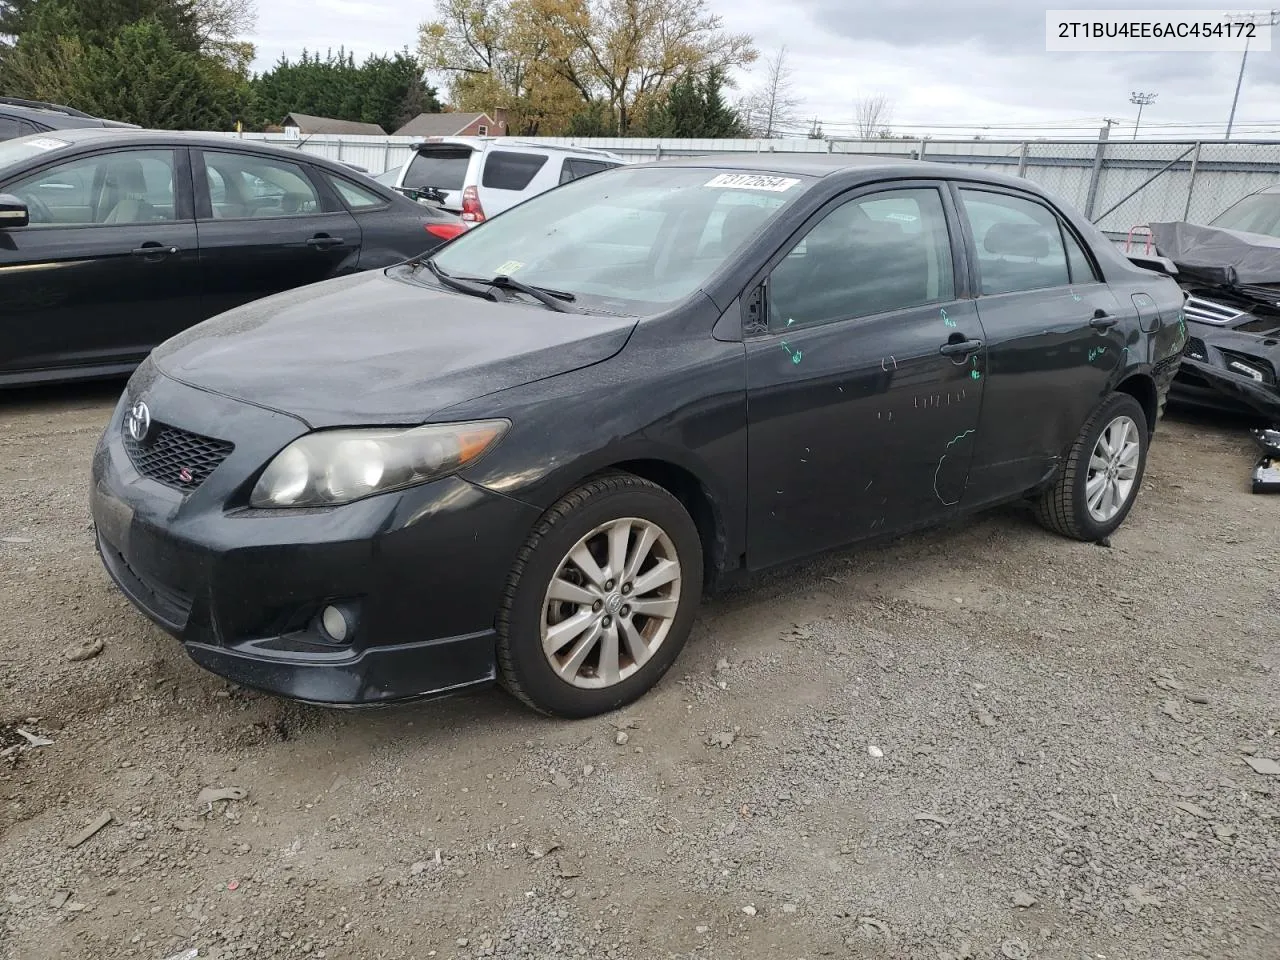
1230	272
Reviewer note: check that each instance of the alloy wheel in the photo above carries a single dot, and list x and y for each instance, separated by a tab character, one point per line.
611	603
1113	469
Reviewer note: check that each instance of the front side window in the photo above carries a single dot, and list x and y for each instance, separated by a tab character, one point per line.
128	186
245	186
882	252
632	242
1018	241
508	170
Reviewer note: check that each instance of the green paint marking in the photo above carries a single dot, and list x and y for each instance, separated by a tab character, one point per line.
950	443
946	319
974	374
795	355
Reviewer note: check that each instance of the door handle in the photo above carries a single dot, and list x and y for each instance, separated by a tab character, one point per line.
154	251
960	347
324	243
1102	321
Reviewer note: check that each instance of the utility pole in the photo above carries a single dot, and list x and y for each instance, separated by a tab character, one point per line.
1142	100
1272	19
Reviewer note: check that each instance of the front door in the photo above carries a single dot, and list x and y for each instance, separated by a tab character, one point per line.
267	224
108	266
1056	336
865	375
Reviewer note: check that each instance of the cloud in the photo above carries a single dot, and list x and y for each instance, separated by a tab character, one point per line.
974	64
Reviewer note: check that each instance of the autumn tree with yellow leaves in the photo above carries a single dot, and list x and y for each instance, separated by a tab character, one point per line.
594	65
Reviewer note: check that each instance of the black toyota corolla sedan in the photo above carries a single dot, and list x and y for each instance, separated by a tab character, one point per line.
526	457
112	241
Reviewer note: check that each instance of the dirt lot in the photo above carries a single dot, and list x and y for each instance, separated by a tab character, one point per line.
985	742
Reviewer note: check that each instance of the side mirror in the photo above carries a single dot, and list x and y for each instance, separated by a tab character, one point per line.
13	212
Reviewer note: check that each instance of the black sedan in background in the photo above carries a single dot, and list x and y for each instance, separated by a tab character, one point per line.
112	241
525	456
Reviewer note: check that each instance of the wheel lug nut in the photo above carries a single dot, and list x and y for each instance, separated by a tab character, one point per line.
608	621
625	611
608	585
626	588
595	607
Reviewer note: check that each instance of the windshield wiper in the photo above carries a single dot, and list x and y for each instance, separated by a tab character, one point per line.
557	300
462	286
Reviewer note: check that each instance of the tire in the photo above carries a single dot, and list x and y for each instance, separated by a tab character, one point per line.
1065	508
528	612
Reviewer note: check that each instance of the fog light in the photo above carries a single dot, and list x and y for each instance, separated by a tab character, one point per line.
334	622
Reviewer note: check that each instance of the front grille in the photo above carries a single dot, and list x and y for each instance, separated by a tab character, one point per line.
175	457
1210	311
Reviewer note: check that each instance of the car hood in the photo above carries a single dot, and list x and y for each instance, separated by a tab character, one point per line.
1218	256
376	348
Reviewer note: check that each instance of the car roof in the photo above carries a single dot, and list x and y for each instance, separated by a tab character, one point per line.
110	136
852	166
480	143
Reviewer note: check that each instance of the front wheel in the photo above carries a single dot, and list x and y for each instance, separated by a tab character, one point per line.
601	598
1100	480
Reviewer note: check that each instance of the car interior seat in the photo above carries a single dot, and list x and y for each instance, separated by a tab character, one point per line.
124	194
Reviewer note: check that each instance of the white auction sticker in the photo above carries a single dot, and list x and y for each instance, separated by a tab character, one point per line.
752	181
47	143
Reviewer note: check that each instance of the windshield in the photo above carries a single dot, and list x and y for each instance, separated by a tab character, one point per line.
630	240
24	148
1259	213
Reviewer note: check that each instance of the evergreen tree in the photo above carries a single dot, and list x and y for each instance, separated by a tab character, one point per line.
143	77
384	90
695	107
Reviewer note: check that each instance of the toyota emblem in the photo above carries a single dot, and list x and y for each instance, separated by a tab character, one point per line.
138	421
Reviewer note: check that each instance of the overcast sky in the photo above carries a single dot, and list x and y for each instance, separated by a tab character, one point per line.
939	63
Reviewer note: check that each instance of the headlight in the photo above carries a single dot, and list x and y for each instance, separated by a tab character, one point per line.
337	466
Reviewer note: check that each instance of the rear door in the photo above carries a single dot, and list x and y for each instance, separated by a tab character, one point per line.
108	267
267	224
440	166
1056	336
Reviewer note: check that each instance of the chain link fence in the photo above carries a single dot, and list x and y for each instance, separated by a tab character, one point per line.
1117	184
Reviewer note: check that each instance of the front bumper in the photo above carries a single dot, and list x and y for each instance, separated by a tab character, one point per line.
1206	379
421	571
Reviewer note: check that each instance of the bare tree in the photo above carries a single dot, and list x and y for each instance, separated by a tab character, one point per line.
871	116
772	107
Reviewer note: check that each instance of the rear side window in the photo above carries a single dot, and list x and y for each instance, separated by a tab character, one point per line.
356	198
10	129
245	186
1019	243
575	168
444	168
507	170
1081	269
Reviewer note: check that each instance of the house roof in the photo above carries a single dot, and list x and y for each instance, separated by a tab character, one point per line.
309	124
439	124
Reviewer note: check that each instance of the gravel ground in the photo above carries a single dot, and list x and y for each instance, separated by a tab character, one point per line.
984	742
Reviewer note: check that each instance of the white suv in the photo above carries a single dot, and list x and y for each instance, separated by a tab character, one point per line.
478	177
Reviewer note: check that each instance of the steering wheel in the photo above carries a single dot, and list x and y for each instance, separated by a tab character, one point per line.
37	210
